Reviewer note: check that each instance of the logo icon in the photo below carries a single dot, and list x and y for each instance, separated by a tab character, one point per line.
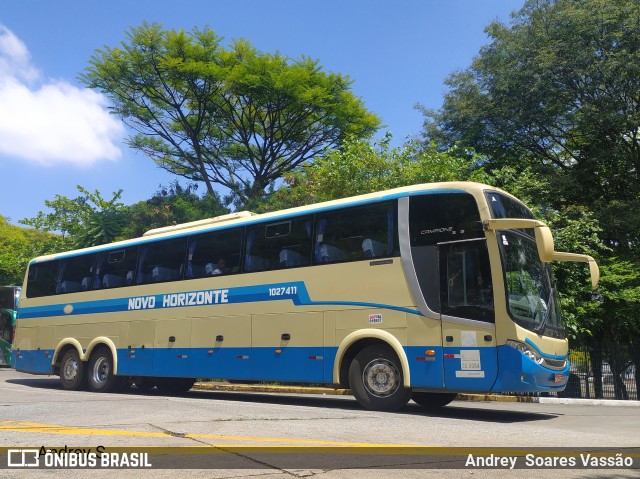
23	458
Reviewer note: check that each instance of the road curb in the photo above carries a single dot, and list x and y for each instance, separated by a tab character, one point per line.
269	388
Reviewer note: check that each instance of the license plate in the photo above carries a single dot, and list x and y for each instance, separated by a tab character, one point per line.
558	378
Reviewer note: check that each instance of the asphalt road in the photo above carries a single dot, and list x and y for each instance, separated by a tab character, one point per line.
35	412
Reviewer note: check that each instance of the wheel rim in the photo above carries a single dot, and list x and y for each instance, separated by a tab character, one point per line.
381	378
100	371
70	370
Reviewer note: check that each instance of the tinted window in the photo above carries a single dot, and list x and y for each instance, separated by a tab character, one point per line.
356	233
162	261
502	206
214	254
281	244
439	218
466	288
75	274
42	279
115	268
9	297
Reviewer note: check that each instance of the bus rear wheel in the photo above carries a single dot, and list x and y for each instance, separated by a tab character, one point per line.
100	374
433	400
72	371
376	379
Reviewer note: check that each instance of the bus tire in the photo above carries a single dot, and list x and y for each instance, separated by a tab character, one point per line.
376	379
175	385
72	371
100	375
433	400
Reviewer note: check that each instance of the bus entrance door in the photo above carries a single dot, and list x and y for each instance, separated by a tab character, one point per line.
468	324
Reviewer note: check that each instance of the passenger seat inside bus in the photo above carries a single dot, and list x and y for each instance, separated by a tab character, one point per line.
330	254
372	248
111	281
86	283
68	287
289	258
161	273
255	263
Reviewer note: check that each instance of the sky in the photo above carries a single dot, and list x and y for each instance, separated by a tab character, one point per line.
56	134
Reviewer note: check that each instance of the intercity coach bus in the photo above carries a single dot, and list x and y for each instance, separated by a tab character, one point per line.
415	293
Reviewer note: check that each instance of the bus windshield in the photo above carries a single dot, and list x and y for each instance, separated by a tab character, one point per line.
532	298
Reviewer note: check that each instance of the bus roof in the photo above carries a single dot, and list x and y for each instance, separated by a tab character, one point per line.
246	218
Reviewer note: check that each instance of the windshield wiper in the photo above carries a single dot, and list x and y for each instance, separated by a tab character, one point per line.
545	314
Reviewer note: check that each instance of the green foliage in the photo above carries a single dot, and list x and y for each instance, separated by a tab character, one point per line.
84	221
18	246
171	205
234	117
557	91
552	105
361	167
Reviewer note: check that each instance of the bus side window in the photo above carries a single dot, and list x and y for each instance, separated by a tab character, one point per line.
214	254
42	279
356	233
162	261
283	244
115	268
75	274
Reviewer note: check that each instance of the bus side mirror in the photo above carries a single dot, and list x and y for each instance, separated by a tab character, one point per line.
544	242
594	272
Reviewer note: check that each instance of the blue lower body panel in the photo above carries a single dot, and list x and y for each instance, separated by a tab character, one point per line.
518	373
513	372
313	364
426	370
33	361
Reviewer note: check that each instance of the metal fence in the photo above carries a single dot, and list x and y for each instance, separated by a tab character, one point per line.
610	372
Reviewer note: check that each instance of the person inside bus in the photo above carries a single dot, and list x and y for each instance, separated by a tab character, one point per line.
218	269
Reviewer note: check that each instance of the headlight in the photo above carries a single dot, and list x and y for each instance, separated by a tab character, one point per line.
526	350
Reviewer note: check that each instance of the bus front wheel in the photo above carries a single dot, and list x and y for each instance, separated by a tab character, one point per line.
376	379
100	375
72	371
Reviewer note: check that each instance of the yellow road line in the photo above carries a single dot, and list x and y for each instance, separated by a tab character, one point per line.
35	428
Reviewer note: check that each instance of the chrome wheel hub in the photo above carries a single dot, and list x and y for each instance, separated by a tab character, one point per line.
381	377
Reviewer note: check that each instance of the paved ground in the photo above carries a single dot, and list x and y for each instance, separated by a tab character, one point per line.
35	411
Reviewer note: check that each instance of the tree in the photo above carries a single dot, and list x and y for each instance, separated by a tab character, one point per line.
88	219
363	166
18	246
558	91
235	117
172	204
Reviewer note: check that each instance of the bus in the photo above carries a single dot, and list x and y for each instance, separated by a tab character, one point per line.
9	298
420	293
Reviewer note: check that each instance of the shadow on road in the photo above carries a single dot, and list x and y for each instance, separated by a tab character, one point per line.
488	412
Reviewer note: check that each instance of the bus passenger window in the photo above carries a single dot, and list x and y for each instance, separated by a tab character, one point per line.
283	244
75	274
214	254
41	280
356	233
162	261
115	268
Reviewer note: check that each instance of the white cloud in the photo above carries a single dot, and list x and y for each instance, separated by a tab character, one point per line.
50	122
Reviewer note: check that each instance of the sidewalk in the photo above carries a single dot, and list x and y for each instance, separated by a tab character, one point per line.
265	388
